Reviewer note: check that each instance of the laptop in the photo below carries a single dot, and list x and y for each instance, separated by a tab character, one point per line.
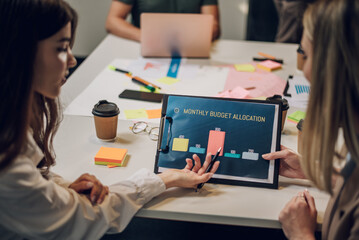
176	35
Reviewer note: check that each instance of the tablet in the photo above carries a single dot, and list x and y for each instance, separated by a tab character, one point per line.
176	35
243	129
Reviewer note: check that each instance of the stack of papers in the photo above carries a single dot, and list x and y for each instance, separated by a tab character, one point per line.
299	89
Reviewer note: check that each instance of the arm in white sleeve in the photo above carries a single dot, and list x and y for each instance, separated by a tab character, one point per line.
34	207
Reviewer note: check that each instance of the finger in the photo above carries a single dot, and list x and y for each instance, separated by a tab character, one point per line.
205	164
189	164
197	163
95	192
215	167
82	186
310	200
275	155
282	147
102	195
204	178
300	196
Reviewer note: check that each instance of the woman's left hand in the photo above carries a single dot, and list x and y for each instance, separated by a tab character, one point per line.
190	176
89	184
299	217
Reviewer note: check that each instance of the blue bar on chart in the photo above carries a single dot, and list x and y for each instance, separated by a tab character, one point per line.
198	150
232	155
302	89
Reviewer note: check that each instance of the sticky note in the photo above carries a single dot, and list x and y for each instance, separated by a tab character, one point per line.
135	113
296	116
168	80
111	166
143	89
269	65
244	67
111	156
154	113
180	144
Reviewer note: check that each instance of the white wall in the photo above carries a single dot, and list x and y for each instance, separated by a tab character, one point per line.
233	17
92	17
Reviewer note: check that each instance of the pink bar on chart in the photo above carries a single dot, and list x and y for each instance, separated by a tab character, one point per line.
215	141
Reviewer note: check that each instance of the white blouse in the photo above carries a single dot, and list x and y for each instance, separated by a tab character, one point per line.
36	208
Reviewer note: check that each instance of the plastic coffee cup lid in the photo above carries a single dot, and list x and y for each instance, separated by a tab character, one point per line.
300	125
105	109
278	98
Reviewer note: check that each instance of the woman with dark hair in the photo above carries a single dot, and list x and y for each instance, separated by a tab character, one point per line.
331	58
35	49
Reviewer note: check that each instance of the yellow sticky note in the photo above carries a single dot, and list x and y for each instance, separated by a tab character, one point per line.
154	113
259	98
296	116
135	113
244	67
180	144
168	80
143	89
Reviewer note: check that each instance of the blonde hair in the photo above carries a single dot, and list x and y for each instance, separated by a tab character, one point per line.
333	26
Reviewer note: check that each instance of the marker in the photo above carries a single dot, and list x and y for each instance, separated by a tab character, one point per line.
152	89
146	82
214	159
119	70
272	59
148	85
266	55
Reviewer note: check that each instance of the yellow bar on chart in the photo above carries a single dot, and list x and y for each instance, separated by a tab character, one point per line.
180	144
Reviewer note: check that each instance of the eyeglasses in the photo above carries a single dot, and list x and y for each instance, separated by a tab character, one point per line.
140	127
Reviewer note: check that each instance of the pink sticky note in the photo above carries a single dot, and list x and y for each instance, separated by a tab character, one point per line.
269	65
265	83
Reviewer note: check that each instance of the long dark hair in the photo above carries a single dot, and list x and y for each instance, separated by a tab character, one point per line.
23	23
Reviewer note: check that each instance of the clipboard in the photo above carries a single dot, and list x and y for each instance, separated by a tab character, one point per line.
245	129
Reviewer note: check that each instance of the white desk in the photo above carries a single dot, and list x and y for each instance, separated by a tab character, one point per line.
221	204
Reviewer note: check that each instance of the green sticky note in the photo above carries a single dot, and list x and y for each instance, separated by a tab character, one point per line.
168	80
143	89
296	116
244	67
135	113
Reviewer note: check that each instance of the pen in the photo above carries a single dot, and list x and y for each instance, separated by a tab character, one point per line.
152	89
214	159
148	85
119	70
145	82
272	59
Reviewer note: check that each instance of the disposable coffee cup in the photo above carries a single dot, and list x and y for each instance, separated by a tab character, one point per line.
300	136
106	116
285	106
300	60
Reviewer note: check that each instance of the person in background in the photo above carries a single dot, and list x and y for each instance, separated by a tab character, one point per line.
331	56
290	16
116	20
35	49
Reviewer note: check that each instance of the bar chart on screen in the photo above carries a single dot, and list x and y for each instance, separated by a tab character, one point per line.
216	140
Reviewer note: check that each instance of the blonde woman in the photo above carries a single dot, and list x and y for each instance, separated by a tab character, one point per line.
331	46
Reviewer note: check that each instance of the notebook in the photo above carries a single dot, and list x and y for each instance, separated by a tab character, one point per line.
176	35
